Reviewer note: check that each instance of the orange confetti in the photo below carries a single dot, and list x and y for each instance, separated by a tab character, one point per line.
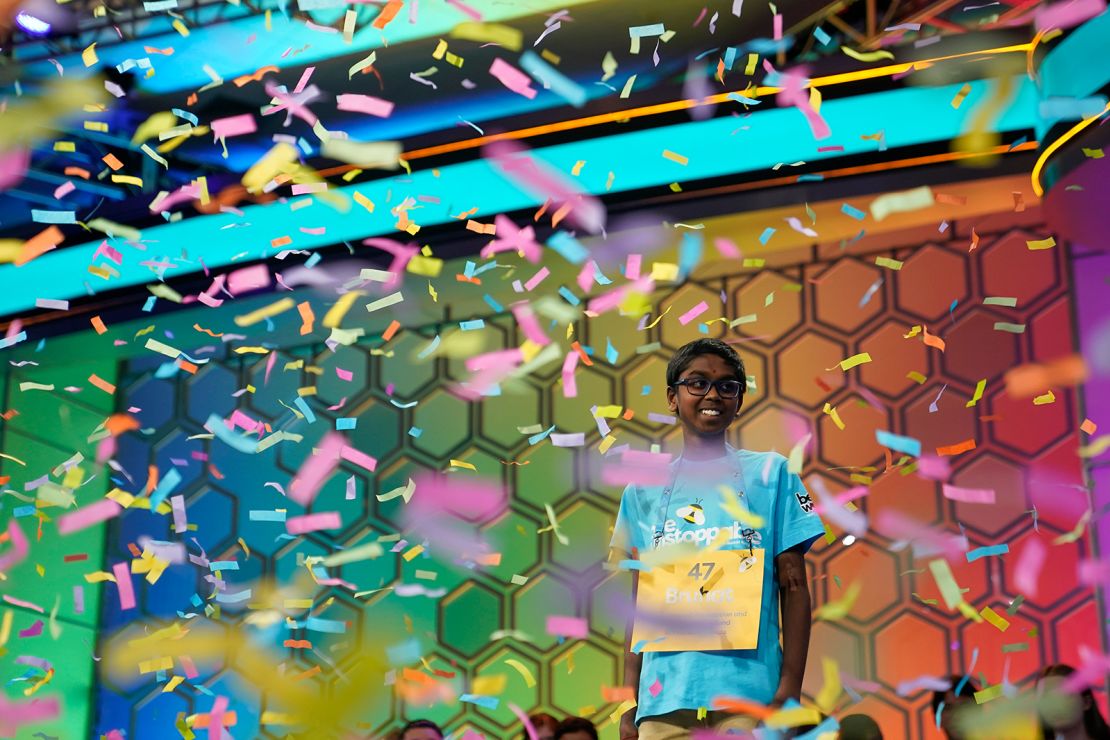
582	353
974	240
1088	426
168	51
151	480
480	228
78	172
616	694
256	77
209	332
391	330
102	384
297	644
117	424
40	243
281	241
112	161
98	324
307	317
956	449
230	719
389	12
307	674
1033	378
932	339
187	366
742	706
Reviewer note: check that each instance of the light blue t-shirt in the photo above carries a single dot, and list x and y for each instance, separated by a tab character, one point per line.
693	513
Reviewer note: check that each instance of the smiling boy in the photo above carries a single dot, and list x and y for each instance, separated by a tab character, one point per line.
741	513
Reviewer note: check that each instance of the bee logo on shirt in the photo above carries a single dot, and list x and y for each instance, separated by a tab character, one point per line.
694	513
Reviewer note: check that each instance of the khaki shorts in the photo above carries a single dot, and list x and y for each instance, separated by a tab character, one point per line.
677	725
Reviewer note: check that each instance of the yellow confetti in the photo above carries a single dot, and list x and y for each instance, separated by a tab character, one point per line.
827	697
888	263
88	56
1044	398
958	100
979	388
462	464
1038	244
731	504
336	313
869	56
834	415
854	361
676	157
413	552
834	610
994	618
529	679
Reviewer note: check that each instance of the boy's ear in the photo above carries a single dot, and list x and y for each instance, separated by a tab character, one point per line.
672	399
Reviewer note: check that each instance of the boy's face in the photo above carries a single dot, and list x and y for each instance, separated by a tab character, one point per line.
708	415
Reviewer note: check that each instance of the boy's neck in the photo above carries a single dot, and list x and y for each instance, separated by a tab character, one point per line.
704	448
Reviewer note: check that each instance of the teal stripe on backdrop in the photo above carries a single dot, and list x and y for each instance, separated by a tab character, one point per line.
715	148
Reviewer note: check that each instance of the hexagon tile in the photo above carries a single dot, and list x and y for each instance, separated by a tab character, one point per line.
442	623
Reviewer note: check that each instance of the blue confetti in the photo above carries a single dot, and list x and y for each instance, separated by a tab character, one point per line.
345	423
611	353
149	305
569	297
822	37
850	210
493	303
898	443
300	404
766	235
982	552
570	248
472	325
415	432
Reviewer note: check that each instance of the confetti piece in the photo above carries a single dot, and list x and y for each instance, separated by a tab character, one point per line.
1039	244
850	210
389	300
1088	426
961	94
313	522
87	516
904	201
979	388
982	552
367	104
956	449
969	495
871	56
512	78
853	361
1031	379
574	627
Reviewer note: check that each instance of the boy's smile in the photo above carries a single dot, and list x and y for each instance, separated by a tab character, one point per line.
708	415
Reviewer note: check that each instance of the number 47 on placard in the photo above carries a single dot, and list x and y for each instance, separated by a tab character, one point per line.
701	571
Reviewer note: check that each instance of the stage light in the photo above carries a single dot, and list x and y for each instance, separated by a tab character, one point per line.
45	17
31	24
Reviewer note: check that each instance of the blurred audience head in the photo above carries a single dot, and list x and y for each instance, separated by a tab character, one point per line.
1064	711
544	724
859	727
576	728
955	704
421	729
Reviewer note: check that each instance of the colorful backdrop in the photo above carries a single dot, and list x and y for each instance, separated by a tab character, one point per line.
814	301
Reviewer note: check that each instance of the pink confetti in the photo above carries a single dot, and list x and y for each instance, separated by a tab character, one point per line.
727	248
64	189
18	549
969	495
795	93
570	387
932	683
536	279
655	688
180	521
87	516
632	266
1027	571
1068	13
344	374
239	125
539	179
1094	573
367	104
608	301
216	718
526	320
466	9
361	459
24	604
567	627
248	278
14	715
313	522
78	599
512	78
693	313
126	590
316	469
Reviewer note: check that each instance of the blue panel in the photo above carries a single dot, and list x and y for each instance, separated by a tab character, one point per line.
715	148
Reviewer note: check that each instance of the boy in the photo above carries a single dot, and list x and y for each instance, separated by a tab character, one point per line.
719	499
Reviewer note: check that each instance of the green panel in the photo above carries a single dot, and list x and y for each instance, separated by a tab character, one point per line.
50	427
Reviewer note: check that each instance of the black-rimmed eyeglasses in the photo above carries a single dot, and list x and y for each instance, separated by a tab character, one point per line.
701	386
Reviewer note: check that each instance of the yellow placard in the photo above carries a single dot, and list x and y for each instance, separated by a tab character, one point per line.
722	587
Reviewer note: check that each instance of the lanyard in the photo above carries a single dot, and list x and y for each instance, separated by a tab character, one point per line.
738	472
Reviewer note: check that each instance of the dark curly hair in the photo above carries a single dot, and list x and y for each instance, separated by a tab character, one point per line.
687	352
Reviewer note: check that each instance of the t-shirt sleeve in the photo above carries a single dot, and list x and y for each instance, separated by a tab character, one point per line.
626	531
796	520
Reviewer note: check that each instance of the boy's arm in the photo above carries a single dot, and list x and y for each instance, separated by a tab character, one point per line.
790	568
632	664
